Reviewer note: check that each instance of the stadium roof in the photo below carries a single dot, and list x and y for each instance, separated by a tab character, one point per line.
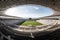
54	4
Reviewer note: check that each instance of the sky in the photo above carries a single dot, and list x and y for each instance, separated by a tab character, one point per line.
29	11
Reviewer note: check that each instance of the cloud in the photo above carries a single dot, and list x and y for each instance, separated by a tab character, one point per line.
27	11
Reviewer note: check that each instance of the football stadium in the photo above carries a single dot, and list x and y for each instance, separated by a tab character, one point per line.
29	19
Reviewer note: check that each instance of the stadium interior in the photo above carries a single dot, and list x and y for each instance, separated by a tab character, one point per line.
50	30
